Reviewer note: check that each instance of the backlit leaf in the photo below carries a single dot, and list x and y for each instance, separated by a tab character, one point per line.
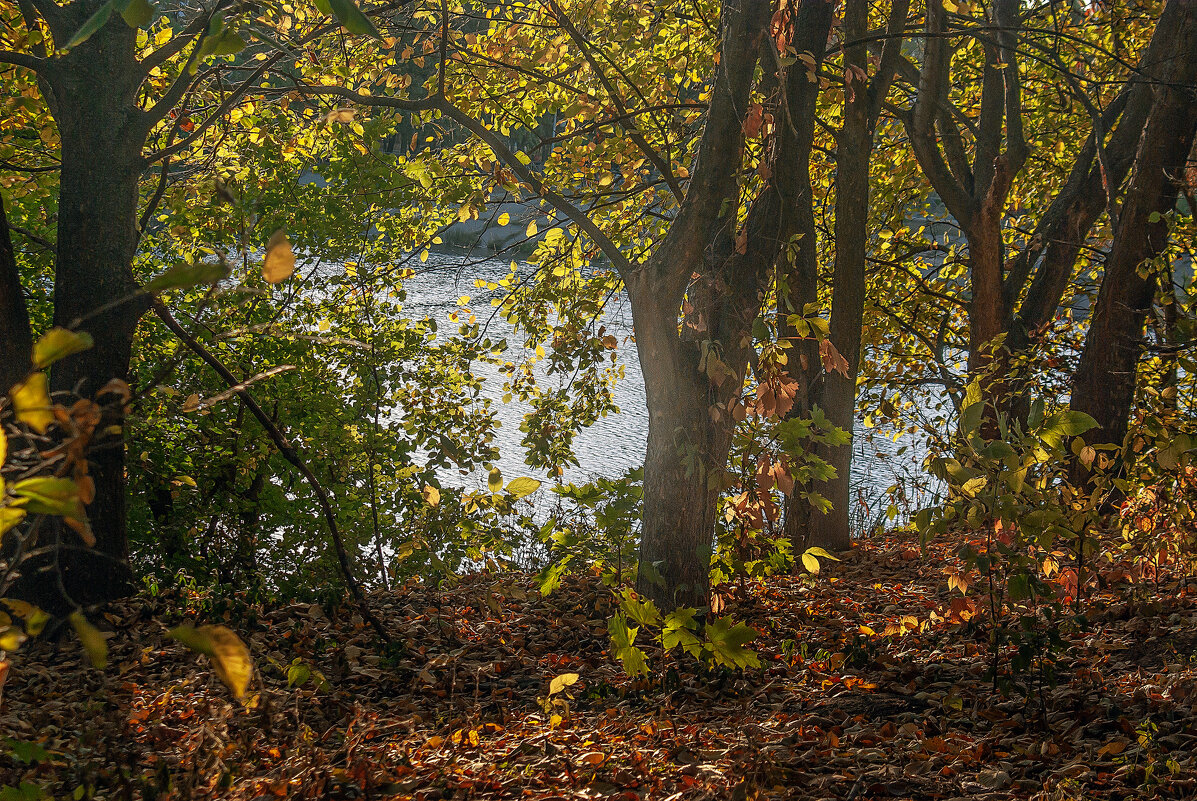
94	642
559	683
31	402
58	343
229	655
279	263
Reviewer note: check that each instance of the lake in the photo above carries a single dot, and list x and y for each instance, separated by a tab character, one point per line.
616	443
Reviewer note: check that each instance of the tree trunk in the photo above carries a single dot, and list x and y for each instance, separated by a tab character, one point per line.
1104	384
95	107
837	396
684	446
16	338
801	275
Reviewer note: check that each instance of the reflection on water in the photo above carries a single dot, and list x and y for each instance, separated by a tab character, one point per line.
616	443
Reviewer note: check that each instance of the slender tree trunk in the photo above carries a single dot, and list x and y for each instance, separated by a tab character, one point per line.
16	338
837	396
1104	384
799	266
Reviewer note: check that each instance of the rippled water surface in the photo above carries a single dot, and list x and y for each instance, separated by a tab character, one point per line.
615	443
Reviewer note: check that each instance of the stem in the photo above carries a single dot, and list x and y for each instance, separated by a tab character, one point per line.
289	453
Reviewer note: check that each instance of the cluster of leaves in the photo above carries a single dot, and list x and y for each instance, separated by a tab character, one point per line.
719	642
1036	528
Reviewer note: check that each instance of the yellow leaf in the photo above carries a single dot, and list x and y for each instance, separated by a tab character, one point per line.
11	638
230	658
58	343
532	229
31	402
9	517
494	481
431	495
504	218
93	640
35	619
3	448
810	562
279	263
559	683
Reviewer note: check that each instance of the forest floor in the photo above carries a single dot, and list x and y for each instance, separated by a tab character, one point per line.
835	711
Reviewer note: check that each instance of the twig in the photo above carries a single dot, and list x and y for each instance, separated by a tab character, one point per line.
289	453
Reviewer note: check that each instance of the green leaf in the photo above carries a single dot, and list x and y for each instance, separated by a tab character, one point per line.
643	612
138	13
27	752
46	495
727	643
1067	423
94	641
622	637
58	343
679	629
522	487
225	43
93	24
323	7
183	276
352	18
298	673
970	417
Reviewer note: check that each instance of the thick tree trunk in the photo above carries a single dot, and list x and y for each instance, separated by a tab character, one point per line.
94	289
684	446
16	338
690	421
1104	384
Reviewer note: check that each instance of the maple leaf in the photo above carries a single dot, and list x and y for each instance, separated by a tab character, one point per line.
726	641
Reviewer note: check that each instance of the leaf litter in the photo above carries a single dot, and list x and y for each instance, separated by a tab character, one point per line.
869	688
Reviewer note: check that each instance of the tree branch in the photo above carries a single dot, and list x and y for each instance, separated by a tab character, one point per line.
288	452
621	263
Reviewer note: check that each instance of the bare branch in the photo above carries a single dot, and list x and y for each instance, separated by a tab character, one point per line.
617	100
504	154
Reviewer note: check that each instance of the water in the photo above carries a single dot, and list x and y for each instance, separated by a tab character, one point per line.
616	443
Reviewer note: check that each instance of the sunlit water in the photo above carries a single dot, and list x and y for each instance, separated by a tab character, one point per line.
616	443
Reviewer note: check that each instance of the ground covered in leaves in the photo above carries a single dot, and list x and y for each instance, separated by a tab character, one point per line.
869	688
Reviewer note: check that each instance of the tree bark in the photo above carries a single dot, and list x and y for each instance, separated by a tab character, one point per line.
836	393
1104	384
690	422
94	91
16	337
